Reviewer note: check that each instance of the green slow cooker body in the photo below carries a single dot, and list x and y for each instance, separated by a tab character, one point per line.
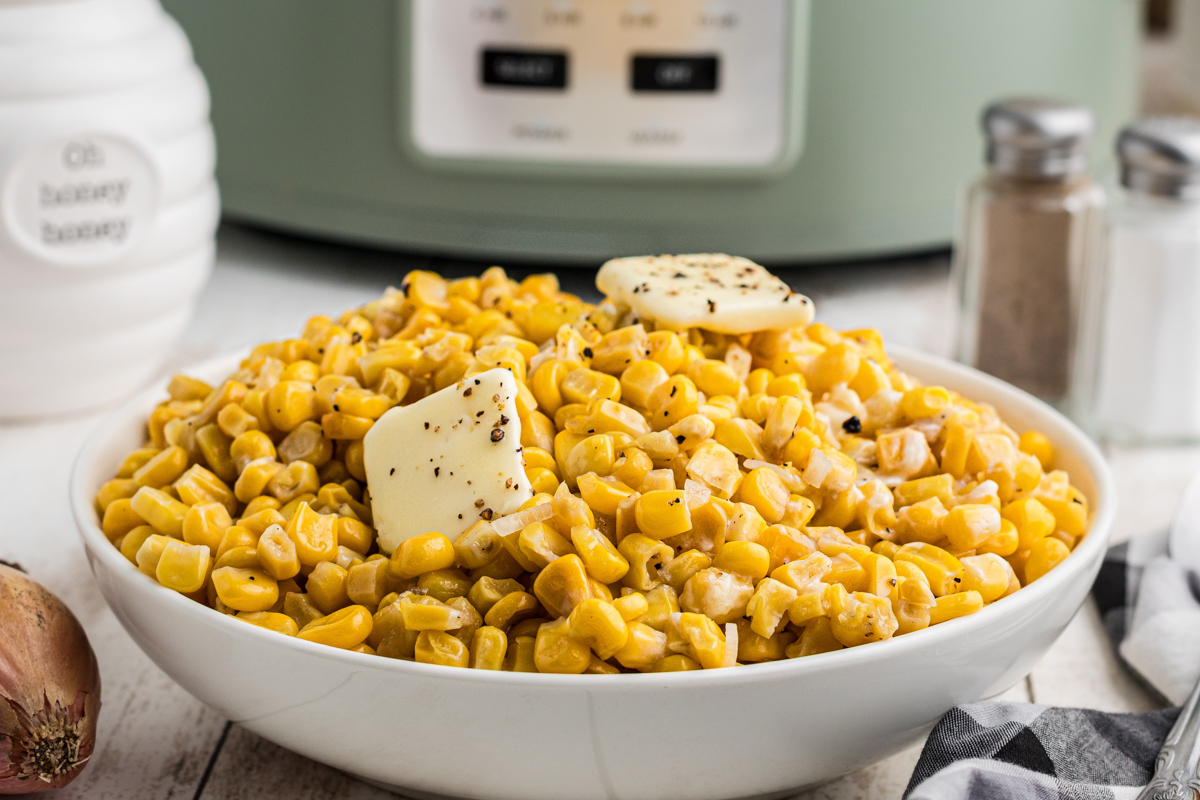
308	97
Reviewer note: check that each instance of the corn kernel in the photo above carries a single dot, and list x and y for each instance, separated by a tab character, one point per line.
444	584
765	491
969	526
915	491
488	648
742	437
183	567
748	559
120	518
163	468
423	553
1044	555
599	625
953	606
862	618
644	646
942	570
160	511
245	589
289	403
662	513
921	522
601	559
345	628
646	558
1032	520
511	609
1038	445
562	585
721	596
477	545
631	606
272	621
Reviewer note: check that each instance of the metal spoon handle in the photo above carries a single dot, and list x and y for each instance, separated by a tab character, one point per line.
1175	769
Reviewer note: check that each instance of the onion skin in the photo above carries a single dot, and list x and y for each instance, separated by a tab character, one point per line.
49	689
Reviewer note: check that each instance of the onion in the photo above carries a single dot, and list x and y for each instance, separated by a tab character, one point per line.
49	689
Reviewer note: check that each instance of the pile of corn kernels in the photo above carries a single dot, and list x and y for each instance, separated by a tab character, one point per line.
702	500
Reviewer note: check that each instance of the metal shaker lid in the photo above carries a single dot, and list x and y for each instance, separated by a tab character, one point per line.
1037	137
1161	156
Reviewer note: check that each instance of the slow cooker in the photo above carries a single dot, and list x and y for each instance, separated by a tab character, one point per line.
572	130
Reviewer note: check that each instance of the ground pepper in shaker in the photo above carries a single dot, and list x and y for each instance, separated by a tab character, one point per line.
1027	240
1139	355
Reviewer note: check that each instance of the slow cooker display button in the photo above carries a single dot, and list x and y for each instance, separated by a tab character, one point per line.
529	69
657	73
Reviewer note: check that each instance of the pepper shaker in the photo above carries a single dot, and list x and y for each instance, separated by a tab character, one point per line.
1027	239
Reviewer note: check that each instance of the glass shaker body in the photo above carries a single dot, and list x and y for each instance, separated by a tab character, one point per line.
1024	251
1139	357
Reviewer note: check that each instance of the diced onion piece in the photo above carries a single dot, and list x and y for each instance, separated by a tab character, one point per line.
790	479
518	521
729	657
545	353
818	469
695	494
739	360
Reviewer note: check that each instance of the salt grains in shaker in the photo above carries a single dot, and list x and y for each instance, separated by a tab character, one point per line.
1140	355
1027	238
108	204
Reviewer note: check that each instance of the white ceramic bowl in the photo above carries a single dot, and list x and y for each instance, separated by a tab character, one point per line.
761	730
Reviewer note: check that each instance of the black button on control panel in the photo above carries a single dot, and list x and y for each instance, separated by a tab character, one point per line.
529	69
658	73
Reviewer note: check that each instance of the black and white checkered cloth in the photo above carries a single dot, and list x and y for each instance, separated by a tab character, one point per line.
1015	751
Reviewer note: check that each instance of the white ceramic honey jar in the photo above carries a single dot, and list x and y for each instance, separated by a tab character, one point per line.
108	204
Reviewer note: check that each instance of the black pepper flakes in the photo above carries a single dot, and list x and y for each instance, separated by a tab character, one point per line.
680	439
712	306
587	351
392	471
852	425
437	471
497	434
468	391
426	426
486	514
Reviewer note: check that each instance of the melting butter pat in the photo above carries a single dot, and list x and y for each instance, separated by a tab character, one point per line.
447	461
721	293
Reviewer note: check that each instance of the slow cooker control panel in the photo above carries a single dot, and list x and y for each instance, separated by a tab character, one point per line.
672	83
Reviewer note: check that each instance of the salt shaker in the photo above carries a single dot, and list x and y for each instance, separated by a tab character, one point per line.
108	202
1139	360
1027	239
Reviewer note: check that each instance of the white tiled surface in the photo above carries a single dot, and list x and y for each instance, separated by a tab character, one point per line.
157	741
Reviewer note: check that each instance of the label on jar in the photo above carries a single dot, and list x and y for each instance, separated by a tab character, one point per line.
81	200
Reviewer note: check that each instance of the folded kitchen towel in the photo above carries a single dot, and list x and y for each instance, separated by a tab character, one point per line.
1003	751
1150	608
1021	751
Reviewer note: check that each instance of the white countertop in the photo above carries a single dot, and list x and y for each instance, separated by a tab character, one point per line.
155	740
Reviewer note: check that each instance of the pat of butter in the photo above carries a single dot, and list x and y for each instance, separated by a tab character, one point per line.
447	461
721	293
